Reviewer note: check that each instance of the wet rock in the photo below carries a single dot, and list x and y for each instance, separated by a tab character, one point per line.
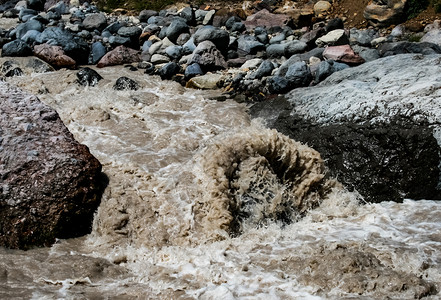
208	57
278	85
51	184
326	68
343	54
14	72
193	70
376	125
176	28
385	13
54	55
205	82
88	77
118	56
73	46
94	21
266	19
97	52
169	70
334	38
16	48
125	83
23	28
388	49
220	38
265	69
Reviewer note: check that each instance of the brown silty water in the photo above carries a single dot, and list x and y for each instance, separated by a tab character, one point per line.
203	203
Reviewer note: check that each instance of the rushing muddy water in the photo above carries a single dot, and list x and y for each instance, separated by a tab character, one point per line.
203	203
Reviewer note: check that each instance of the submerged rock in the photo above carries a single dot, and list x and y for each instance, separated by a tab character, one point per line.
88	77
50	183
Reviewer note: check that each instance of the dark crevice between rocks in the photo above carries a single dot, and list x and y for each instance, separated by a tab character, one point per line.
383	162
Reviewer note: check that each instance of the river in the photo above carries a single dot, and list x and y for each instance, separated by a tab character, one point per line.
204	203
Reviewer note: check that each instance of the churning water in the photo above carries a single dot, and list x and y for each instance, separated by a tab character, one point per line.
203	203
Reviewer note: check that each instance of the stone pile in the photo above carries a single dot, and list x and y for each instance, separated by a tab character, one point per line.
287	49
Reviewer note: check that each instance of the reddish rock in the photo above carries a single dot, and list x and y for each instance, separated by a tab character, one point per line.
54	55
50	185
265	18
344	54
118	56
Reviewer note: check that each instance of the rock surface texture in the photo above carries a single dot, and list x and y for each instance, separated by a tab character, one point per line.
376	125
50	185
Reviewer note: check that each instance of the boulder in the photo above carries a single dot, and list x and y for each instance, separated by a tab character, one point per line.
94	21
73	46
16	48
344	54
169	70
295	47
51	185
380	13
97	52
219	37
193	70
248	44
208	57
118	56
433	36
376	125
23	28
333	38
265	69
176	28
157	59
29	65
88	77
144	15
205	82
267	19
327	68
54	55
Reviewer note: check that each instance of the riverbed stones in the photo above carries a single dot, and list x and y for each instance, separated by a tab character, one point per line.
333	38
208	57
94	21
266	19
176	28
118	56
344	54
16	48
54	55
219	37
51	184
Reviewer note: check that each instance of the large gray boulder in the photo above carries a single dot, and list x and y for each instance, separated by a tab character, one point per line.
376	125
49	183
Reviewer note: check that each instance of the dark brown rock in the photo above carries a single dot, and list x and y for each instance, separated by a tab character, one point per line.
54	55
118	56
50	185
